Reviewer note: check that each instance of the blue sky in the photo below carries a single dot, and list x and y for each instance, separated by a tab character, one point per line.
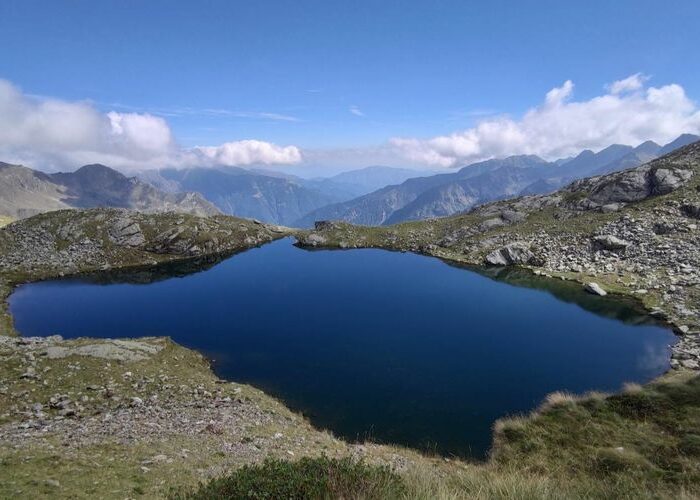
338	75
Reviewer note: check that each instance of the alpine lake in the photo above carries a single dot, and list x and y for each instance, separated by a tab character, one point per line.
370	344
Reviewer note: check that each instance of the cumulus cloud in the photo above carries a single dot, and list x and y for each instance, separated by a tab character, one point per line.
249	152
627	113
51	133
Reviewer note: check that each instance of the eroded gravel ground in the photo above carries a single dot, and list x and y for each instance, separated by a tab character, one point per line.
129	413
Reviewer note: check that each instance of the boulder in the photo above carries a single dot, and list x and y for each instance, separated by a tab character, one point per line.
664	227
513	216
611	207
667	180
314	240
126	232
595	289
610	242
628	186
513	253
491	223
691	210
637	184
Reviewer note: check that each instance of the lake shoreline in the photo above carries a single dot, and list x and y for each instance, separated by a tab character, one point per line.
137	461
450	327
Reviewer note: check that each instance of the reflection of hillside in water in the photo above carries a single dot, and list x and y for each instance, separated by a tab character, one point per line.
625	309
152	274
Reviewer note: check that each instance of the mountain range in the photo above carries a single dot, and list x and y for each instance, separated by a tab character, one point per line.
271	196
370	196
25	192
491	180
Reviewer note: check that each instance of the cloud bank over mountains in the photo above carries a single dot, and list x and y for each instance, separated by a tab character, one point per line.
628	113
51	133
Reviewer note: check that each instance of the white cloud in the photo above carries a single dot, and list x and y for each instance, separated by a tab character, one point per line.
51	134
356	111
628	113
249	152
146	132
629	84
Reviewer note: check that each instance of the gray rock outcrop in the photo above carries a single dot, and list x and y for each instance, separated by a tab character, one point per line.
511	254
126	232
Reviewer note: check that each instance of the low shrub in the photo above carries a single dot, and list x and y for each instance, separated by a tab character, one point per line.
308	478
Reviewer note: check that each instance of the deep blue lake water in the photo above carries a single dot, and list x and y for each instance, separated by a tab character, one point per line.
394	347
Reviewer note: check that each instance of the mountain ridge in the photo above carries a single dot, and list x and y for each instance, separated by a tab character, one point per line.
451	193
25	192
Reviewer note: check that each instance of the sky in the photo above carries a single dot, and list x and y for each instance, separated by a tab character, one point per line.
328	85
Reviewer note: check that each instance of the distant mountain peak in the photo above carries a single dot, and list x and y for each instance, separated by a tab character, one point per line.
679	142
95	172
98	167
586	153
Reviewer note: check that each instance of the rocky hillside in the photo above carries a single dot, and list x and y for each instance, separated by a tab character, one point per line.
633	232
68	242
76	241
25	192
448	194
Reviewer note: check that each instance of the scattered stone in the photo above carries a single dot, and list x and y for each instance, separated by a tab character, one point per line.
325	225
214	428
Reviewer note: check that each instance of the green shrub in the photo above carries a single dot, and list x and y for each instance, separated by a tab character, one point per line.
640	406
308	478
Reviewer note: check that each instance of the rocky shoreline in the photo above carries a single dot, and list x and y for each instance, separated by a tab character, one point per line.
76	242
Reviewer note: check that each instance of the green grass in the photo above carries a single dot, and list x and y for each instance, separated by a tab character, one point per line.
645	438
307	479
